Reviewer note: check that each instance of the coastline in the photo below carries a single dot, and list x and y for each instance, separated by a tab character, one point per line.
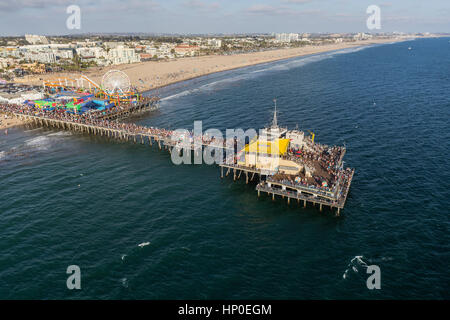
7	123
151	75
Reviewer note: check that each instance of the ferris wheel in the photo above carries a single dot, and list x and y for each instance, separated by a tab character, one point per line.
116	82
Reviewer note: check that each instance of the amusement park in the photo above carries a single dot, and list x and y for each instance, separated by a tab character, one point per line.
82	95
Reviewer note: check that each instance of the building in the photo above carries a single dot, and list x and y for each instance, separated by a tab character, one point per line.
92	52
10	52
35	39
286	37
146	56
151	51
43	57
362	36
122	55
184	50
215	43
63	54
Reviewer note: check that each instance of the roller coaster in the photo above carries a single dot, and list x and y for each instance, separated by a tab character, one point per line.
117	92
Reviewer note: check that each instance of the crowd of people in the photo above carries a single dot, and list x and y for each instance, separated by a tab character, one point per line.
342	178
298	182
96	118
327	157
92	118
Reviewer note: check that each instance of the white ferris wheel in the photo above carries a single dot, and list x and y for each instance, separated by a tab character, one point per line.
116	82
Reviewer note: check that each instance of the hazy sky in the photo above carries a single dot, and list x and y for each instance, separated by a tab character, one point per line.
18	17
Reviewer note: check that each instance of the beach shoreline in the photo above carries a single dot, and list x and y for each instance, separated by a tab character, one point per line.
159	74
9	122
152	75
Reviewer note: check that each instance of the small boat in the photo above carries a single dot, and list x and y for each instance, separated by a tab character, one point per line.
409	48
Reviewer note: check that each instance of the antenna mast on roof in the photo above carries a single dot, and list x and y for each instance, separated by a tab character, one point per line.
275	121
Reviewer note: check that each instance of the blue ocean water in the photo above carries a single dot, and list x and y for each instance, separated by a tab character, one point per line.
71	199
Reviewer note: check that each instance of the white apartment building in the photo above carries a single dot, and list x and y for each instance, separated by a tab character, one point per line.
35	39
63	54
43	57
121	55
96	52
362	36
10	52
215	43
286	37
113	45
151	50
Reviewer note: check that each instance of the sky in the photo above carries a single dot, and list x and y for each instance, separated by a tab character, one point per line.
19	17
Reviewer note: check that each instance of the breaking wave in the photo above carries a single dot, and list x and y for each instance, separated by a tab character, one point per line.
41	142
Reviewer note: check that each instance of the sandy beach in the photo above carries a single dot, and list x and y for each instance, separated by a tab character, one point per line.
8	122
155	74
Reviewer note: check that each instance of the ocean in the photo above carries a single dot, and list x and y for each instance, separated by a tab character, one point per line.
72	199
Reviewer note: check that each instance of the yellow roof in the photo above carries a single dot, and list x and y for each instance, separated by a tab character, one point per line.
276	147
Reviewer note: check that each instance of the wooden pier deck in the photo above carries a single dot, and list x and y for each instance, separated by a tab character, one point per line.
163	140
147	105
266	184
306	194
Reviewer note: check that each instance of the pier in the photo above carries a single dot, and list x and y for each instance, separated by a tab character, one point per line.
106	124
303	194
146	105
111	129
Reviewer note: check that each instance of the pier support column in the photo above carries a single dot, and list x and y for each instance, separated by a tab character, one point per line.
221	173
320	208
246	177
304	203
289	200
338	212
273	196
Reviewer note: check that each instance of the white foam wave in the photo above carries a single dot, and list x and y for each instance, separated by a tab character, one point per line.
60	134
281	65
180	94
41	142
2	155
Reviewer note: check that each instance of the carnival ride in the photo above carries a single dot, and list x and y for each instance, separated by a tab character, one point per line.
116	87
